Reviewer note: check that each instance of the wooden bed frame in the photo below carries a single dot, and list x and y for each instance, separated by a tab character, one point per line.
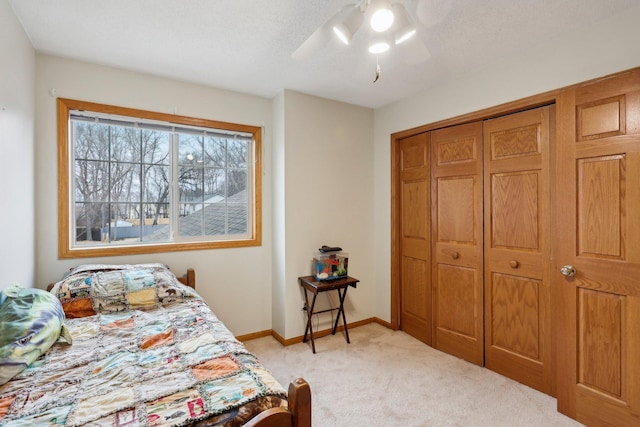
298	413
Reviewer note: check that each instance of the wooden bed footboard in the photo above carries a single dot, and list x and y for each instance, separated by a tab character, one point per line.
297	415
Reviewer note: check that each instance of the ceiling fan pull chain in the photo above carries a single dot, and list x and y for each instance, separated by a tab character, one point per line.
378	72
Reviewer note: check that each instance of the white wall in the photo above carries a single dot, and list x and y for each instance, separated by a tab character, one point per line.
328	199
279	284
17	110
235	282
595	51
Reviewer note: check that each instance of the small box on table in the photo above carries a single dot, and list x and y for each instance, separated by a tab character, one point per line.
330	265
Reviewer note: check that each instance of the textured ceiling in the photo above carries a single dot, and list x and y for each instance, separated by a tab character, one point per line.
246	45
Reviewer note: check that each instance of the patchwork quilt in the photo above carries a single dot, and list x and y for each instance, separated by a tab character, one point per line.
151	354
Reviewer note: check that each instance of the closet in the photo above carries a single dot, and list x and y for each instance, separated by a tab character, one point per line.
489	230
534	269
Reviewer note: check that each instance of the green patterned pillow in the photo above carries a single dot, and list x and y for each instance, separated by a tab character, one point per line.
31	320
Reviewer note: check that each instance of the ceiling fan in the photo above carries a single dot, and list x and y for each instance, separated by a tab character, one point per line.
390	27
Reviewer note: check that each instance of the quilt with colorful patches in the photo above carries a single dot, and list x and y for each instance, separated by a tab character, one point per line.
170	362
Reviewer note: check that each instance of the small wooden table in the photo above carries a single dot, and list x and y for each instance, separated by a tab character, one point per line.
309	284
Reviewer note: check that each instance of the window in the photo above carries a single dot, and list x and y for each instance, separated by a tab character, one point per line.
133	181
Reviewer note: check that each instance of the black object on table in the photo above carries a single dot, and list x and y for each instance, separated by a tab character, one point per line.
309	284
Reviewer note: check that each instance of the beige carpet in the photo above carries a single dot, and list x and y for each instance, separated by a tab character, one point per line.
388	378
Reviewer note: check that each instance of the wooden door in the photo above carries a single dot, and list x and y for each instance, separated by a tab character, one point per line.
598	199
517	292
414	236
456	214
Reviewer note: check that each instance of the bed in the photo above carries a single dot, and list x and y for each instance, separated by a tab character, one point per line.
146	351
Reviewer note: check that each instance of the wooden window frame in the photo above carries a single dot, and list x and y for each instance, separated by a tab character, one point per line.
65	246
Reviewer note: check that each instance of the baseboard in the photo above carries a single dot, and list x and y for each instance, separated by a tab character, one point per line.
255	335
382	322
318	334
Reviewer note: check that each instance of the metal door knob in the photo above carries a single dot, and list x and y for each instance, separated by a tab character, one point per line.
568	270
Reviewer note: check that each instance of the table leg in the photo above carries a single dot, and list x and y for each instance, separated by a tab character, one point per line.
342	295
309	327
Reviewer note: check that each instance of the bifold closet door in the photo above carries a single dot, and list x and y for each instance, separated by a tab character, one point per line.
517	227
456	218
414	236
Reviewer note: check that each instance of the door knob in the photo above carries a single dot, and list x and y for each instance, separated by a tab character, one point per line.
568	270
455	255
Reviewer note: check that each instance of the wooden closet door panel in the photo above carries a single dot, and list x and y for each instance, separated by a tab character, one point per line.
517	292
598	199
415	237
457	234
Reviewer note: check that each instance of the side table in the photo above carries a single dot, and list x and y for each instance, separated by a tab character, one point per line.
309	284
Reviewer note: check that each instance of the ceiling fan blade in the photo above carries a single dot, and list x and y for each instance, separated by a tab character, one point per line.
432	12
414	51
321	35
311	45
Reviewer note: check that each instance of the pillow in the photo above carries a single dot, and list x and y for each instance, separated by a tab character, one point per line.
121	289
105	288
31	320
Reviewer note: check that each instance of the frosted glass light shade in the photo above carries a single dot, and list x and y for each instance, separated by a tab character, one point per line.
402	36
347	24
404	29
343	33
379	47
382	17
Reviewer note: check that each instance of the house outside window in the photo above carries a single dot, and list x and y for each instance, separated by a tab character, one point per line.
133	181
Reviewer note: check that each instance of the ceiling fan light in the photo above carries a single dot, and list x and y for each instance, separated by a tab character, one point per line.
404	29
379	47
347	23
343	33
382	17
404	34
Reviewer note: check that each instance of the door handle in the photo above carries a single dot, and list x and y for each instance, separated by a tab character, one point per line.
568	270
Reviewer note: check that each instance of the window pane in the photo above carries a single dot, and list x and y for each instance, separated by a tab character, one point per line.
124	182
237	217
91	181
215	219
190	222
237	184
125	146
89	220
215	152
191	184
189	150
91	141
154	146
120	224
237	154
156	184
156	225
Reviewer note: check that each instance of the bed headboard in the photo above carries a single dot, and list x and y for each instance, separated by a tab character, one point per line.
189	278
